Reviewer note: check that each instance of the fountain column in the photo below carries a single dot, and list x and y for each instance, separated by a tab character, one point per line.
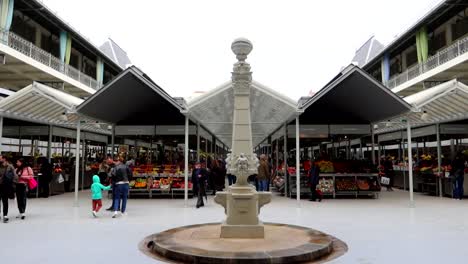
241	201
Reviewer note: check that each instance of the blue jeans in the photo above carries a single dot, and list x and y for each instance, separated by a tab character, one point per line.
231	179
121	192
458	187
262	185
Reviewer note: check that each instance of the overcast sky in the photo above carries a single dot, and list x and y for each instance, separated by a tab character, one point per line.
184	46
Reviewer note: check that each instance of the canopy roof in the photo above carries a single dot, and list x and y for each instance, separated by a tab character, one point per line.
352	97
268	110
446	102
132	98
39	103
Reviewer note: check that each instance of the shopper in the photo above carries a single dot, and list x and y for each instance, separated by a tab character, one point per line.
199	178
122	176
25	174
103	172
263	174
96	194
218	177
458	171
45	178
389	173
314	172
111	164
8	180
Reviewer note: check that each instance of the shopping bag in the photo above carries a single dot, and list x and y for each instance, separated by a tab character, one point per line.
385	181
60	178
32	184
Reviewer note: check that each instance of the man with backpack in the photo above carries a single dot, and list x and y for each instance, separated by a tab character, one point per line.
8	180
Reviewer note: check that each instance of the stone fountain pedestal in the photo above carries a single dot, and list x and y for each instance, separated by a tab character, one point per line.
242	205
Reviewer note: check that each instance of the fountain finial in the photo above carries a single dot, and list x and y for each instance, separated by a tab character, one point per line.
241	47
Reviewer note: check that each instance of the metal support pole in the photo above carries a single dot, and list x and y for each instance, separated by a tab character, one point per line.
77	161
49	145
206	152
277	154
373	145
298	166
379	152
361	152
439	158
1	132
410	164
285	159
452	149
186	160
113	142
198	142
83	164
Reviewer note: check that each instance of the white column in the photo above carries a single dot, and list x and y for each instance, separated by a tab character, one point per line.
186	160
1	132
373	143
285	159
410	164
361	152
298	166
439	158
77	160
113	141
83	164
49	145
379	152
198	142
277	153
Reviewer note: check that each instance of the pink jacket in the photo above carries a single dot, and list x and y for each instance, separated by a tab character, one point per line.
25	175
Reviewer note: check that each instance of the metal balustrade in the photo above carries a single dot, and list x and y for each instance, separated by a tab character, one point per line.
29	49
451	52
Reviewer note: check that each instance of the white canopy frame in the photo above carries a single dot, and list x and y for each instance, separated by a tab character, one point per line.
39	103
269	110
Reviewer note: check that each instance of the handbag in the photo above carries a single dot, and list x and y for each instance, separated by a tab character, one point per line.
60	179
32	184
385	180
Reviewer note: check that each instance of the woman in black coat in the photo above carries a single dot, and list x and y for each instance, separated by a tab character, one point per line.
45	178
199	177
314	180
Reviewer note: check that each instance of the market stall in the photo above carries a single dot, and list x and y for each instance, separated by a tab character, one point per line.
339	113
437	126
142	117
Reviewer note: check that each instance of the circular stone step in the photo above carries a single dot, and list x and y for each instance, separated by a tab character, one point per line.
202	244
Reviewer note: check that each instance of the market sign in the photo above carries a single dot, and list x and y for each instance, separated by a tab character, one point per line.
63	132
355	142
96	137
390	136
34	130
350	129
309	131
134	130
453	129
175	130
11	131
421	132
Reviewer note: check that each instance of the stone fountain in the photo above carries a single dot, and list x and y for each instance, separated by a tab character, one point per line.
242	237
241	201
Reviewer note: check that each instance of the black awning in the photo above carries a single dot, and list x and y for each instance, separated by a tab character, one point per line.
133	99
353	97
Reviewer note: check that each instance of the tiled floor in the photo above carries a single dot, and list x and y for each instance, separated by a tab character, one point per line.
377	231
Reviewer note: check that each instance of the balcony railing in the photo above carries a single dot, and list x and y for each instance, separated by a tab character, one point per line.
29	49
458	48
